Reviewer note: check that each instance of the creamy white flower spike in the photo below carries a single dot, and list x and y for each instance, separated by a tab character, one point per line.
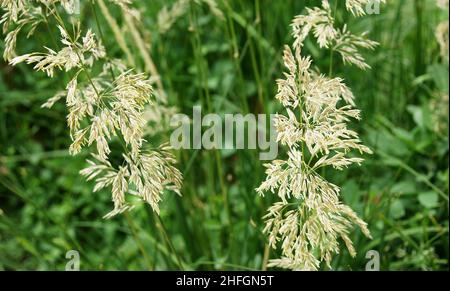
319	22
104	108
310	218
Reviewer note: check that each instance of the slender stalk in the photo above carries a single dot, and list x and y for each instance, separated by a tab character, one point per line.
235	54
118	35
202	67
161	227
330	70
265	257
150	66
138	241
100	31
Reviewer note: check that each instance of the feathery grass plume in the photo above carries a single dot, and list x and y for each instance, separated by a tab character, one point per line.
103	107
167	16
320	21
146	176
19	14
159	110
310	219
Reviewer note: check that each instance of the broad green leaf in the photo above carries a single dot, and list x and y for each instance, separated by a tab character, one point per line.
397	209
429	199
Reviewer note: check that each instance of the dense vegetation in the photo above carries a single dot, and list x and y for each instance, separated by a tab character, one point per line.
228	60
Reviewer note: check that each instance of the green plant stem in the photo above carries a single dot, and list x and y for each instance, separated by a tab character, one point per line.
330	70
161	227
118	35
138	241
100	31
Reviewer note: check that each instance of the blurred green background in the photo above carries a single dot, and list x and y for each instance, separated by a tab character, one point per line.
230	66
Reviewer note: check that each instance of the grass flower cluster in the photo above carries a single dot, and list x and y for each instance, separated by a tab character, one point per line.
104	108
310	218
357	175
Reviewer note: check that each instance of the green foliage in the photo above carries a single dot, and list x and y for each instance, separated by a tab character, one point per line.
230	66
